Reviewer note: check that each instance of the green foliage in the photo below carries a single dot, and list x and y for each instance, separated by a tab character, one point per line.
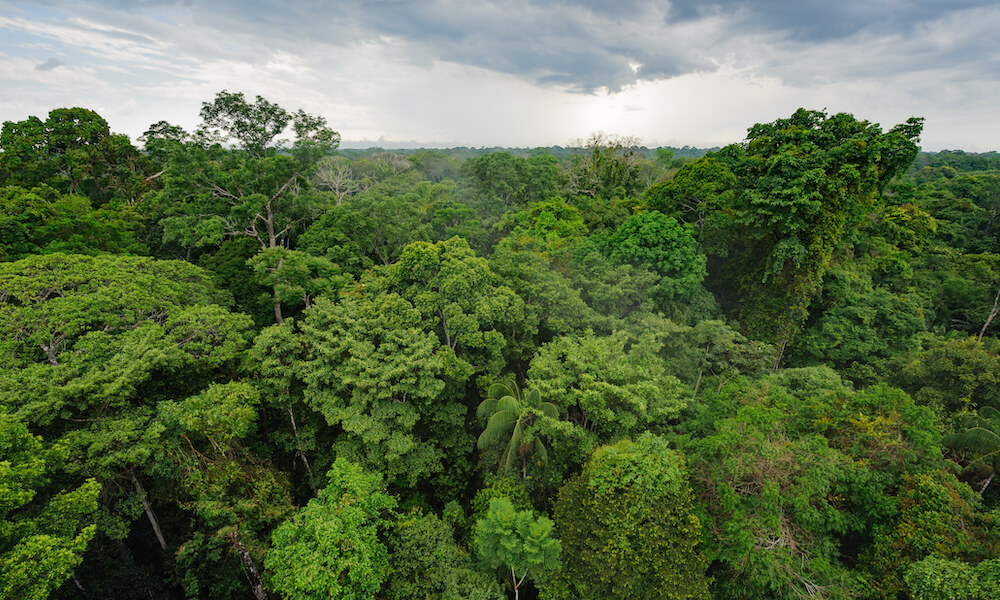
502	180
979	438
500	487
255	126
427	564
656	241
457	296
40	543
617	292
73	151
709	351
49	302
509	414
607	384
699	194
771	504
517	540
605	167
331	548
938	515
627	527
43	221
375	373
858	325
154	443
938	579
950	374
373	226
548	295
295	277
804	185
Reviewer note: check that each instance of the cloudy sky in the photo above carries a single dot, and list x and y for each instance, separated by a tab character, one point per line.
517	72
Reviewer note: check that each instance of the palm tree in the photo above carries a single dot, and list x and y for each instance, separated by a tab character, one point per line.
508	413
982	440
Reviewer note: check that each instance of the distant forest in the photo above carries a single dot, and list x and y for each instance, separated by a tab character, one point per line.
241	363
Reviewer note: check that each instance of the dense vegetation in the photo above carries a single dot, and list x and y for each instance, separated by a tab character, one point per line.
242	366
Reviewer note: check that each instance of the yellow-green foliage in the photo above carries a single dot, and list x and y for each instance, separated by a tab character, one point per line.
627	527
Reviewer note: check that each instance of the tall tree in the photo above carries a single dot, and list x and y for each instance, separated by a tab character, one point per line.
260	190
74	151
804	186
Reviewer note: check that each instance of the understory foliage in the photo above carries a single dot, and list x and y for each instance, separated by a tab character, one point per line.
239	362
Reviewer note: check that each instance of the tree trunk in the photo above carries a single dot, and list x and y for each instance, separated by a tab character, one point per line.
986	484
989	319
149	512
50	354
253	576
277	310
298	446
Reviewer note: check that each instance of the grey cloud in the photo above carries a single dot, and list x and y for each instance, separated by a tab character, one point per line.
583	44
49	64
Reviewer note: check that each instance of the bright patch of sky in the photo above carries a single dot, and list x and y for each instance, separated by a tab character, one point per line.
514	73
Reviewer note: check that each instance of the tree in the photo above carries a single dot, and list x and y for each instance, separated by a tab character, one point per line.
388	384
509	413
605	166
804	186
211	193
427	564
331	549
502	181
935	578
658	242
43	221
699	194
517	540
255	126
87	368
372	227
937	515
334	174
41	543
48	303
770	500
611	385
458	297
73	151
627	527
981	439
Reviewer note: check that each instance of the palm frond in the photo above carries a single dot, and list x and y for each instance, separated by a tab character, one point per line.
486	408
515	442
506	387
508	403
976	439
549	410
989	413
533	397
541	454
497	427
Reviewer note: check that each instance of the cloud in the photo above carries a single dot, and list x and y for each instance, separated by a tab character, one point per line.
489	71
49	64
582	45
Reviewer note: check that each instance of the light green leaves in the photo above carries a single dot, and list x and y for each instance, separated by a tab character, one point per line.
331	548
517	540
